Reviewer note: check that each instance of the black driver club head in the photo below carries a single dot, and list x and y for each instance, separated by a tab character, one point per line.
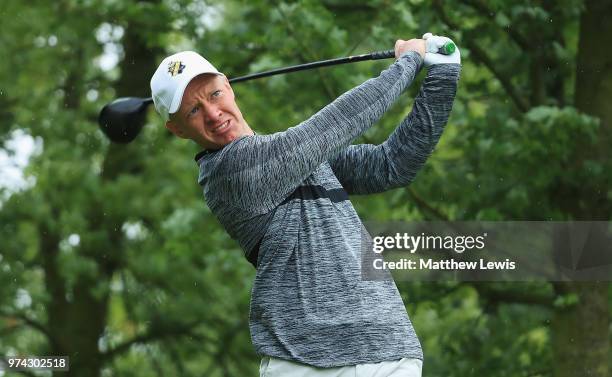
122	119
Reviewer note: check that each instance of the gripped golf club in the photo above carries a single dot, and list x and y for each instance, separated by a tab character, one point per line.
122	119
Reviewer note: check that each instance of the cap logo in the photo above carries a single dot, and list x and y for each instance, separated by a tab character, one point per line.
175	68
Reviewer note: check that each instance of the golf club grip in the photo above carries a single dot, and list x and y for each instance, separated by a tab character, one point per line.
323	63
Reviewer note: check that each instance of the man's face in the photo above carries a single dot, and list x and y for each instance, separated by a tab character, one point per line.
208	114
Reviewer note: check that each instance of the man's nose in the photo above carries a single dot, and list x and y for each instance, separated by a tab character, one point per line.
213	113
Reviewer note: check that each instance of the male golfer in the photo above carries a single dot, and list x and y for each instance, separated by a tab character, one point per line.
284	198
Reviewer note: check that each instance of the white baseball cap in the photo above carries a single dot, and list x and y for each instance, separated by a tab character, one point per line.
172	77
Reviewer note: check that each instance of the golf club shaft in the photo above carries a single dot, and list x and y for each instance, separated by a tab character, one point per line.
323	63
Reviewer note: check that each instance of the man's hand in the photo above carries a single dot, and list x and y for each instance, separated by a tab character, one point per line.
401	47
433	43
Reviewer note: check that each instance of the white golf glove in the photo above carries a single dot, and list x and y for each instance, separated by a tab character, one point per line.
432	44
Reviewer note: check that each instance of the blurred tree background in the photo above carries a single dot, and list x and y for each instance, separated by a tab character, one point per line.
109	255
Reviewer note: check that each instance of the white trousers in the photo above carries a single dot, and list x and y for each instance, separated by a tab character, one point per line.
273	367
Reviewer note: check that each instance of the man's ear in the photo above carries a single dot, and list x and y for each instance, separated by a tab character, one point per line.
175	129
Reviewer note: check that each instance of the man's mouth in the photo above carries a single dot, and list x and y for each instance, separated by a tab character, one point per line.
221	127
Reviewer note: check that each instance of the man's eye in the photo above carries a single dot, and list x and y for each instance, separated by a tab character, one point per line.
193	111
216	93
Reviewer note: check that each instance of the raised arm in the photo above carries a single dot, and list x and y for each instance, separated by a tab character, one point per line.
365	168
258	172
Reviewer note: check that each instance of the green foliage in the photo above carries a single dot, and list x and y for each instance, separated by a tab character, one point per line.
118	238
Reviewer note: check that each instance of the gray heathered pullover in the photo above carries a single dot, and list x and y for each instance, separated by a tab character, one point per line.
283	197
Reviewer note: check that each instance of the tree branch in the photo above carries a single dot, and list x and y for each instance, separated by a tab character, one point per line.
28	321
312	54
487	13
175	358
222	352
368	31
4	331
349	7
420	202
481	56
153	335
509	296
